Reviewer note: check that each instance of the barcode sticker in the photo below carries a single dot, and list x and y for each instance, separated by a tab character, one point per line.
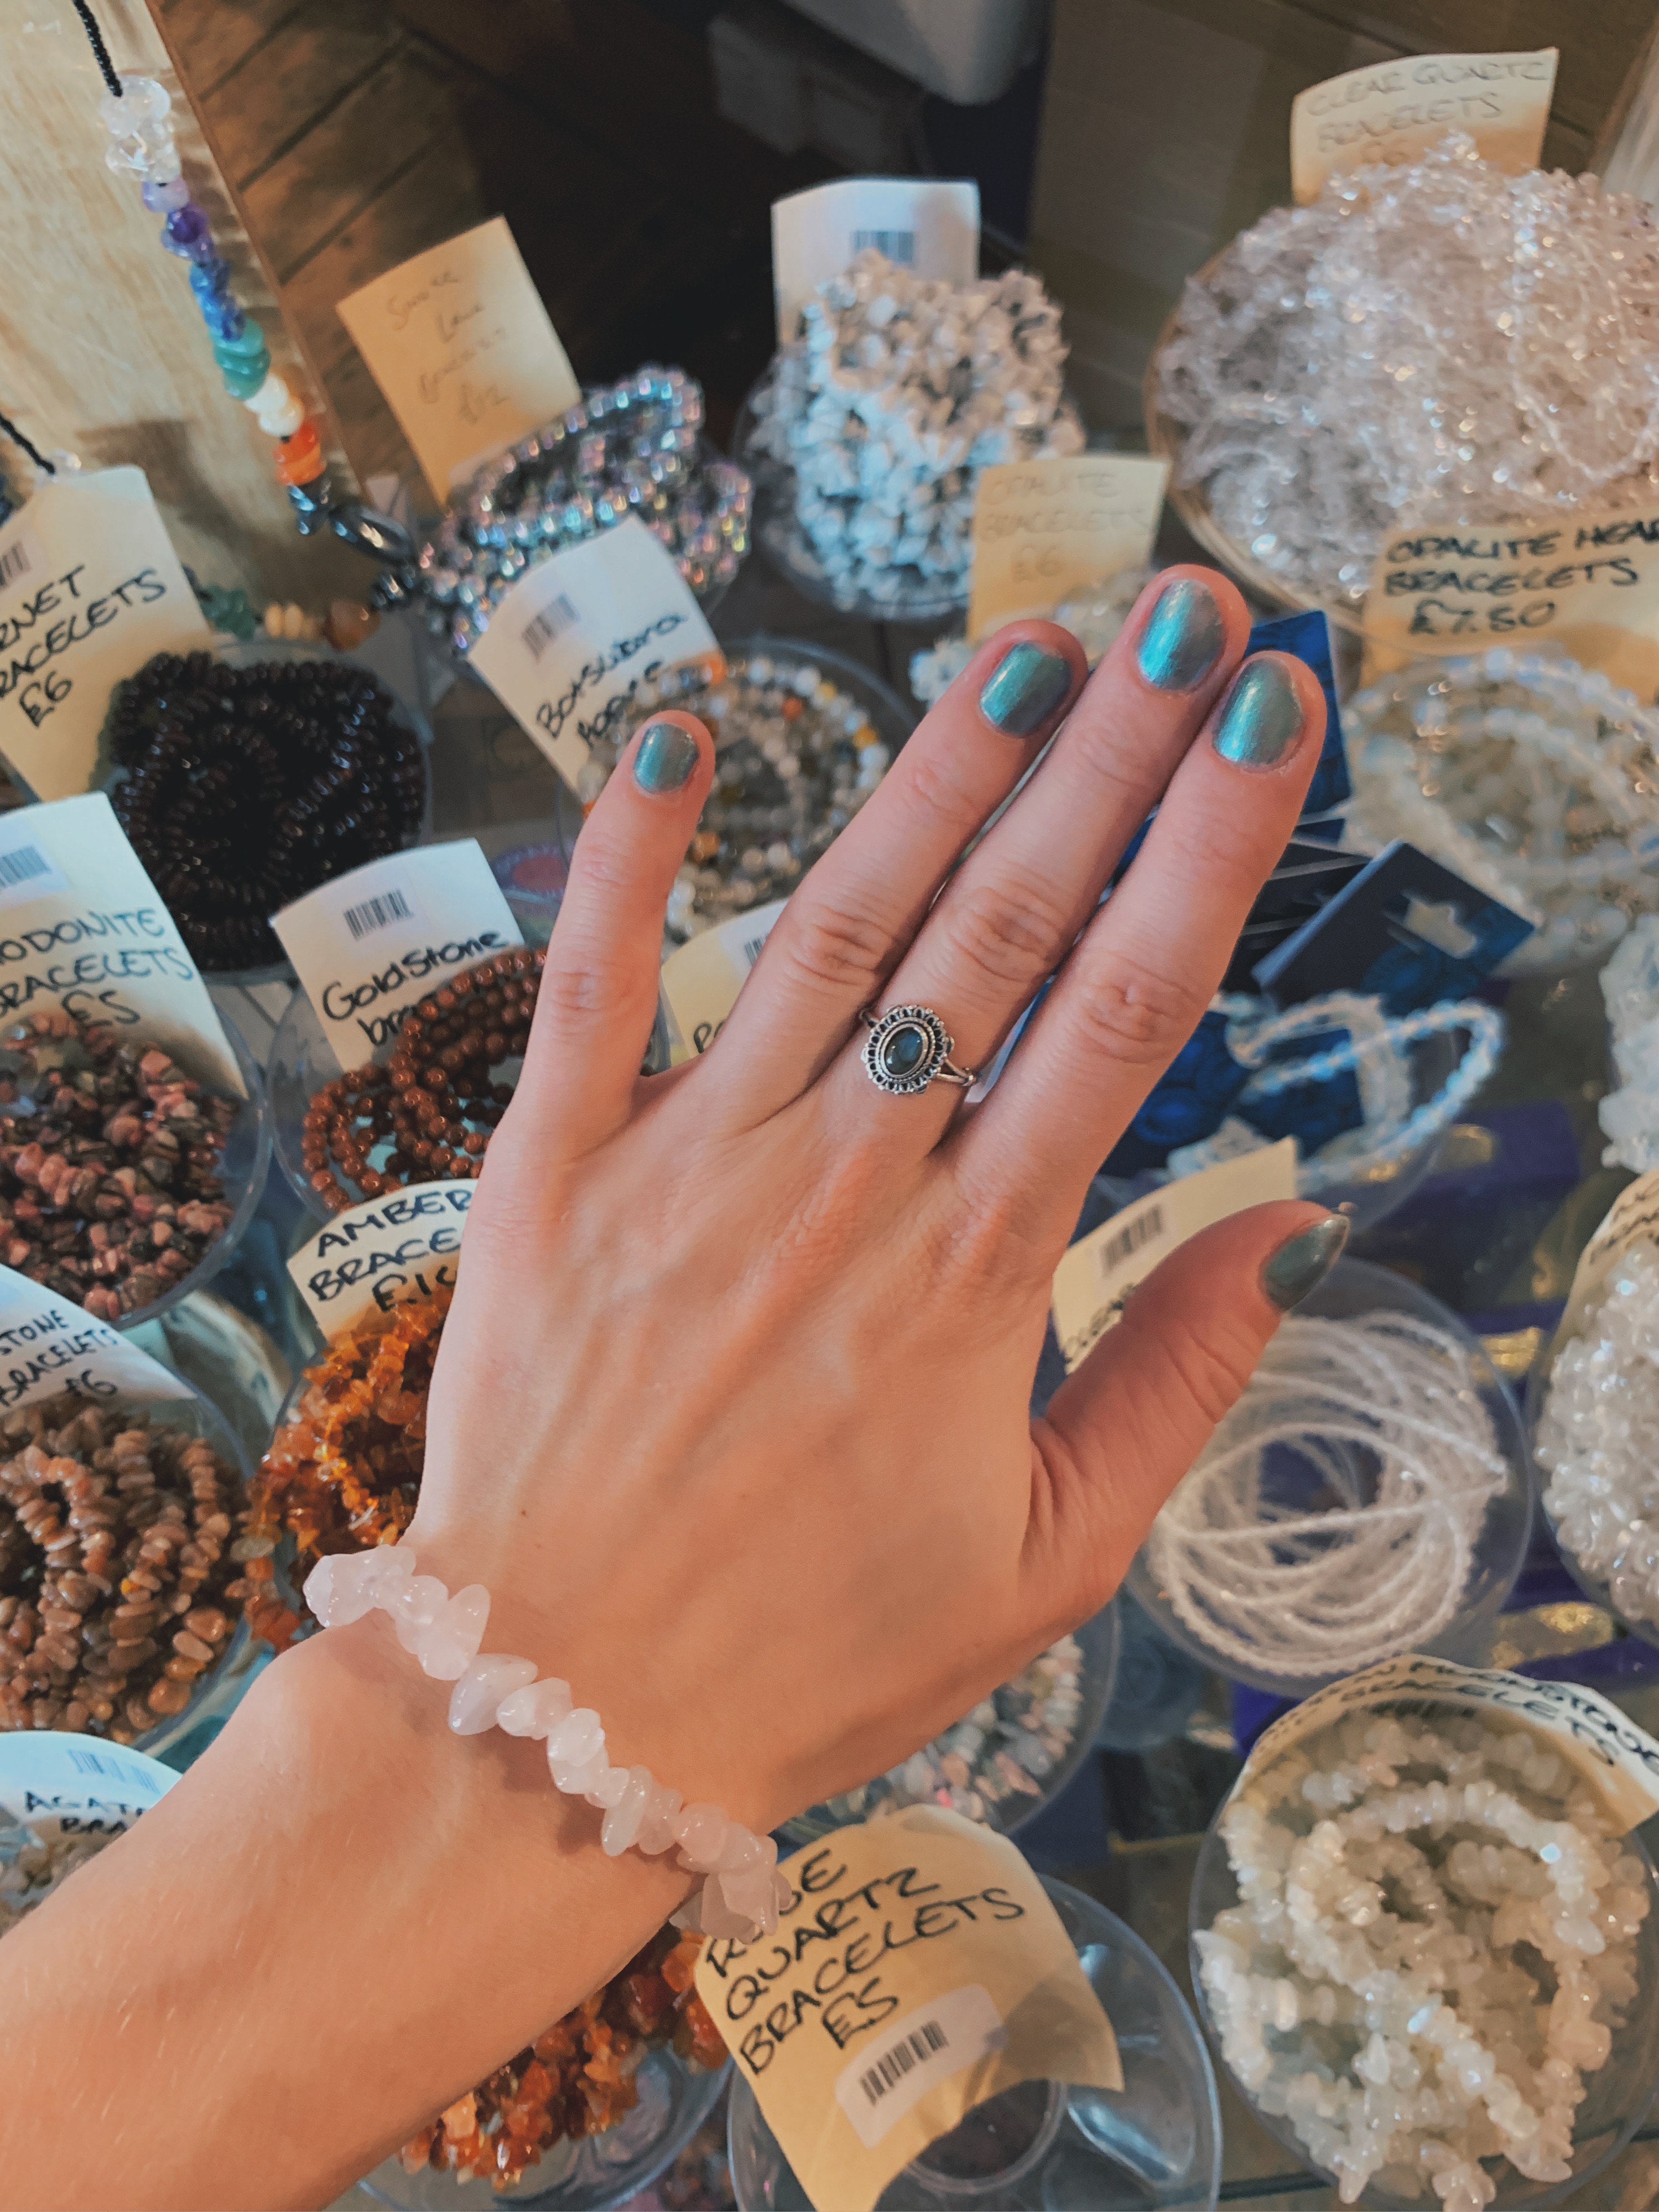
898	245
701	980
27	872
89	1762
926	2047
53	1785
379	913
1093	1281
371	944
16	560
926	226
550	622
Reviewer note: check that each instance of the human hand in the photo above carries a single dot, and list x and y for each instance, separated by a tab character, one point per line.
731	1414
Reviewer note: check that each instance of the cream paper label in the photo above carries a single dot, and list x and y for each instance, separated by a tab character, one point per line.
48	1347
1587	586
1395	110
386	1253
928	227
1618	1760
83	927
702	978
57	1784
1633	1215
918	1969
369	945
462	348
90	588
572	641
1044	529
1095	1276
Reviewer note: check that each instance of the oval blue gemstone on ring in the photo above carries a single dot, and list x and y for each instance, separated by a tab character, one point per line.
903	1052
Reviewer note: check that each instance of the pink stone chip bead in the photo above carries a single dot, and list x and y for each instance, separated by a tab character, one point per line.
450	1645
537	1711
414	1606
474	1699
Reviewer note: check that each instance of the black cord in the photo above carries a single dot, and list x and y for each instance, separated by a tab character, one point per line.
10	429
99	51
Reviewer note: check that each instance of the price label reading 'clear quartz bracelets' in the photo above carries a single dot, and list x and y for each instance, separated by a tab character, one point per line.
918	1969
1397	110
571	643
382	1253
367	947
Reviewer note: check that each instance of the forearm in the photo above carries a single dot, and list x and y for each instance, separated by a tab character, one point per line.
336	1923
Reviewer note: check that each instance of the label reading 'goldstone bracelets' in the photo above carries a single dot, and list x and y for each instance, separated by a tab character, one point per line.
917	1969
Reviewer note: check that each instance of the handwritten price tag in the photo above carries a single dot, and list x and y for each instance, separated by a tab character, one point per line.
571	643
1042	529
58	1784
929	228
1396	110
366	947
701	979
83	927
90	588
382	1254
48	1347
461	346
1588	587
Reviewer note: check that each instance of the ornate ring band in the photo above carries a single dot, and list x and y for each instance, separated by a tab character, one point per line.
907	1048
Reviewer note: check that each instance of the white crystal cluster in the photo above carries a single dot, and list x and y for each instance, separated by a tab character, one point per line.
1094	614
1536	779
899	391
743	1891
1333	1518
1630	1114
1598	1438
1402	1882
1438	342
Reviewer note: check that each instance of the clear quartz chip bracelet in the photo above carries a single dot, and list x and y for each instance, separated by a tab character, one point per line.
743	1890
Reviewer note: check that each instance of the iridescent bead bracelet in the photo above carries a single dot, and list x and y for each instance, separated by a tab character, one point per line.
743	1891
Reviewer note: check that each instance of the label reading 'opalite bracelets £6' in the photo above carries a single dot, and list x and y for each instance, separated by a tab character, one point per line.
1043	529
917	1969
569	645
369	946
381	1254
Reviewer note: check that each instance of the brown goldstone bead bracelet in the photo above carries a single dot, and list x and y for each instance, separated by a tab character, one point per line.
433	1105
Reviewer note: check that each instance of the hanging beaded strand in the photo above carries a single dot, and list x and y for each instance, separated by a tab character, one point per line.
135	112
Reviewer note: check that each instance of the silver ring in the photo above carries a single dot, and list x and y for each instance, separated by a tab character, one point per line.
907	1048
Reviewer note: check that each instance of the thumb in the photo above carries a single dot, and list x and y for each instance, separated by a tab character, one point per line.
1120	1432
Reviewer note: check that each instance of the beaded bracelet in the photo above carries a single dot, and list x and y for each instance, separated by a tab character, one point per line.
743	1890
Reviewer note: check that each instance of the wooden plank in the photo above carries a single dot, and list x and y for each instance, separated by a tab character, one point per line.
105	350
210	37
276	95
376	133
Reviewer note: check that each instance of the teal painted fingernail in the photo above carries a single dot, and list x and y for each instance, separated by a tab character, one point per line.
666	757
1302	1261
1183	636
1024	688
1262	718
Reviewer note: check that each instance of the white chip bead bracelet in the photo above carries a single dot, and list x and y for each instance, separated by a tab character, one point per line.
743	1890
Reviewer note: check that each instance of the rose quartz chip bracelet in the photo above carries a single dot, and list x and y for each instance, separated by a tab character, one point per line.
743	1890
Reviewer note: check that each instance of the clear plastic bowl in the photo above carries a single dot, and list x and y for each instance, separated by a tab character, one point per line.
1156	2141
217	1690
1352	1288
249	652
1098	1639
588	2175
241	1172
1617	2096
1369	1191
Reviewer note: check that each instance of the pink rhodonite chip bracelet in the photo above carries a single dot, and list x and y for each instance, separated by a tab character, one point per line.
743	1891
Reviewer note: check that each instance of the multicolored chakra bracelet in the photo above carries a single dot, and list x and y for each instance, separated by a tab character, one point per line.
142	146
743	1890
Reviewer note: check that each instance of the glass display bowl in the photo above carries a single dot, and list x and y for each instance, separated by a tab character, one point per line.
249	652
1367	1188
1156	2141
922	1781
1617	2096
588	2175
218	1688
1352	1288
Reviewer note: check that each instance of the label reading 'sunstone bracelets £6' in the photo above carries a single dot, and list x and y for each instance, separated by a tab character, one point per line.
48	1347
383	1254
1617	1758
369	946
